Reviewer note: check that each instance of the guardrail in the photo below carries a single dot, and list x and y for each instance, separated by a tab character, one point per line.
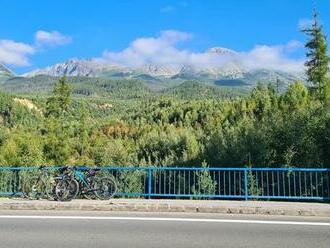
200	183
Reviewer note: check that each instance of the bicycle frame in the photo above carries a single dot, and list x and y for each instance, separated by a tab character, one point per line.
81	177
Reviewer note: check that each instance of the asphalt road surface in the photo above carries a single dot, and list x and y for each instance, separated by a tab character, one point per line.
41	229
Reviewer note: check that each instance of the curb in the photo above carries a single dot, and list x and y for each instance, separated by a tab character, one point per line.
223	207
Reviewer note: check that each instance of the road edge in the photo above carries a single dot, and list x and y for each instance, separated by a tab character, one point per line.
246	208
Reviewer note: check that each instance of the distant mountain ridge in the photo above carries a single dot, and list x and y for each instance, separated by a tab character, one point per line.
94	68
230	72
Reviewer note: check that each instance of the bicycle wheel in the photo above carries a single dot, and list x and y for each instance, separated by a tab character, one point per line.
73	189
66	189
34	188
50	188
105	188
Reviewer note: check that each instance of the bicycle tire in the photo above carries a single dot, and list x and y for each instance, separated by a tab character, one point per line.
66	189
105	188
34	188
74	188
50	188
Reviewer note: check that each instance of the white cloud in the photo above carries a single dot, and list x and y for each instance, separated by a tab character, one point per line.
304	23
18	53
53	38
168	8
160	50
273	57
174	7
163	50
15	53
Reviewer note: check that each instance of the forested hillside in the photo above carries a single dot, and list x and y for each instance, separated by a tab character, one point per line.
118	88
262	129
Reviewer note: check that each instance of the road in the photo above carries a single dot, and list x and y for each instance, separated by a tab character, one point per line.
40	229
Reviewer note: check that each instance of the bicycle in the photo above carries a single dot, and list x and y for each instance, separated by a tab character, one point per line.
66	187
38	186
86	182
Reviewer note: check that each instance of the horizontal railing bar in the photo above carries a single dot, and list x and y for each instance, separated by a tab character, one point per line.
288	197
8	193
169	168
212	168
29	168
131	194
290	169
200	196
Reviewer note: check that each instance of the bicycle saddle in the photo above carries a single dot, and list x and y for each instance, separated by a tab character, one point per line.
63	169
93	171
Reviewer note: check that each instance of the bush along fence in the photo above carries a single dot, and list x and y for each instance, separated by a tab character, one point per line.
198	183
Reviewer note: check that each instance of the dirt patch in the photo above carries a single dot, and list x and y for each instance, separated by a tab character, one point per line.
106	106
27	103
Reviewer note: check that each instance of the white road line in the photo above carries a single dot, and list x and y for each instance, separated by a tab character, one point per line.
165	219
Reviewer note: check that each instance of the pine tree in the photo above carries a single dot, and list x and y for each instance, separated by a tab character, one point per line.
317	60
59	103
58	124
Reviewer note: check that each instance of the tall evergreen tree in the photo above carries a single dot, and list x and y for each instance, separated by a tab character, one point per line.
59	103
58	124
317	60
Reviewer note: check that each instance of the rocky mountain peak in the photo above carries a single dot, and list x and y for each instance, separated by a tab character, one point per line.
221	51
5	72
161	70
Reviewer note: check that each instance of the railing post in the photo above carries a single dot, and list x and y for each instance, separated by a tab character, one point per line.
15	182
149	182
246	184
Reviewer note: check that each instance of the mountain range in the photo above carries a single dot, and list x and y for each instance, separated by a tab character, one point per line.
156	76
96	68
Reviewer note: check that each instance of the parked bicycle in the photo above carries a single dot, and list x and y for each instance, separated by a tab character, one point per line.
87	182
40	185
66	187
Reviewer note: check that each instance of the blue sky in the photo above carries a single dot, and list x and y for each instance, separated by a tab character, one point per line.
95	29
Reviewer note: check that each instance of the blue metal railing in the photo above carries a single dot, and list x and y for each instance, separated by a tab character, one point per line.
199	183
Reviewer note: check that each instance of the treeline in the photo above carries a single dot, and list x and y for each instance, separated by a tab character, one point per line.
120	89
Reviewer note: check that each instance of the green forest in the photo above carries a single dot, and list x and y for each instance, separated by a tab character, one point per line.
185	126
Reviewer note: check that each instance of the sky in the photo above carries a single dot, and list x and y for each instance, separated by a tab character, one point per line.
38	33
